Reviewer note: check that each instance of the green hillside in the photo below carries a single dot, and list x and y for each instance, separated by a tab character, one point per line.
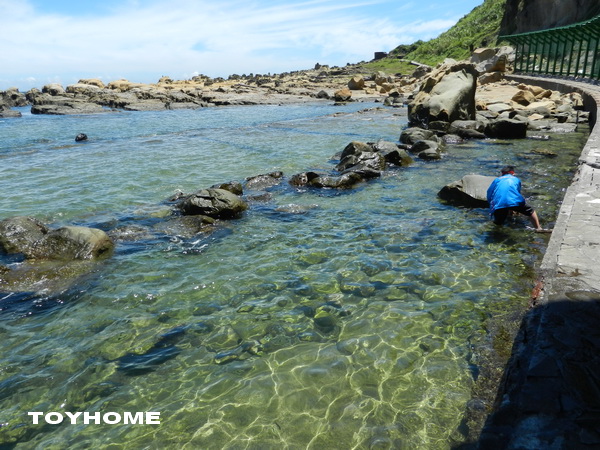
479	28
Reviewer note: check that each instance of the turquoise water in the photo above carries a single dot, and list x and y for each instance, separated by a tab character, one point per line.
319	319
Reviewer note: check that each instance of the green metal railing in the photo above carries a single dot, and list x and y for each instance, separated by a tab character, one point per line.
570	51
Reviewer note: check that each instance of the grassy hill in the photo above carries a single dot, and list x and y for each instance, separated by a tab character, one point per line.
479	28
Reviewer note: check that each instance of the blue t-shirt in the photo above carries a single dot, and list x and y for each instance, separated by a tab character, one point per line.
505	192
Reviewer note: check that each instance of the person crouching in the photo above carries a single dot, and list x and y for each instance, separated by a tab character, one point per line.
504	196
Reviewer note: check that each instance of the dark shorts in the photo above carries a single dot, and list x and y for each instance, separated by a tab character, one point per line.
501	214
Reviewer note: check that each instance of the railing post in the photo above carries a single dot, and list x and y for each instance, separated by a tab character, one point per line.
570	56
585	59
549	43
562	56
594	73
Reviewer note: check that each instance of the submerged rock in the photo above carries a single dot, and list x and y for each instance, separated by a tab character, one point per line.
45	278
264	181
54	259
186	226
133	364
346	180
71	243
19	234
411	135
428	150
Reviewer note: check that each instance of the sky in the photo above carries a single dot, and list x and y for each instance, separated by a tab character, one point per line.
63	41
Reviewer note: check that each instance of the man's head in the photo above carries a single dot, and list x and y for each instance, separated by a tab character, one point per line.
508	169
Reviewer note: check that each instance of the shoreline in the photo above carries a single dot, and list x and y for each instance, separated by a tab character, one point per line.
491	94
544	397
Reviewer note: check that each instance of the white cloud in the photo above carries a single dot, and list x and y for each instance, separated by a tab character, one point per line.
144	40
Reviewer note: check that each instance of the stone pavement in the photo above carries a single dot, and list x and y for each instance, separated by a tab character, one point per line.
550	394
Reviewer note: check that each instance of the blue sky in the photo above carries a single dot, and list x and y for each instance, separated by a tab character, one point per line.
46	41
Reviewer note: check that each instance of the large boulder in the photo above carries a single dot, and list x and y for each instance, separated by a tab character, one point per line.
493	59
342	95
380	78
83	88
448	94
13	98
215	203
506	129
356	83
53	89
469	191
19	234
92	82
369	158
72	243
523	97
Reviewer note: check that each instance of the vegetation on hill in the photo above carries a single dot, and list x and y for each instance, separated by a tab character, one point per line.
479	28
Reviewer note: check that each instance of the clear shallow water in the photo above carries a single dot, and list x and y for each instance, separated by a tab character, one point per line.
352	322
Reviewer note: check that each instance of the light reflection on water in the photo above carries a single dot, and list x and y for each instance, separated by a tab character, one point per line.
341	319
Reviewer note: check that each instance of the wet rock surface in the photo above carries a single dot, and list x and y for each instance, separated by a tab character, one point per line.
470	191
216	203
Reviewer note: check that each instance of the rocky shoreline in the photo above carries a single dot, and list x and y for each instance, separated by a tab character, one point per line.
447	105
92	96
471	90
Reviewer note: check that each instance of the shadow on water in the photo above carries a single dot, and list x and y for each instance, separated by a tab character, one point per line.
549	397
31	303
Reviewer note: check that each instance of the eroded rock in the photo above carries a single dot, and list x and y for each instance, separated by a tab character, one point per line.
470	191
72	243
216	203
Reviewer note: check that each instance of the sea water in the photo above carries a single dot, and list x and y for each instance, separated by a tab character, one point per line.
319	319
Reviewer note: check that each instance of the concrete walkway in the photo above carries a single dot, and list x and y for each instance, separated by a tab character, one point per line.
550	395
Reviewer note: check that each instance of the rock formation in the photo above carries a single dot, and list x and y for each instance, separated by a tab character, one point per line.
33	239
447	94
215	203
522	16
470	191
